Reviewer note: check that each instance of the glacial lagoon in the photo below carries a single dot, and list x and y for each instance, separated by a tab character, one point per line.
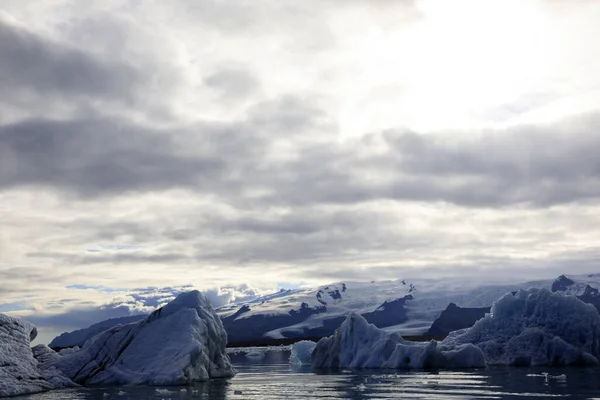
270	376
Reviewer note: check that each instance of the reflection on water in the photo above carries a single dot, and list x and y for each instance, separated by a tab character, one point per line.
271	377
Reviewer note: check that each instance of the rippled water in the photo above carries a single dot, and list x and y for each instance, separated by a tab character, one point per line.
271	377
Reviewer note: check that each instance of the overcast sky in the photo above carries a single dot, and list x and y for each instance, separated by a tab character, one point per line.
283	143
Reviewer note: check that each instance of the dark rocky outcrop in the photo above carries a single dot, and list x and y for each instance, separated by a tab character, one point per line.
389	313
590	294
561	284
454	318
255	327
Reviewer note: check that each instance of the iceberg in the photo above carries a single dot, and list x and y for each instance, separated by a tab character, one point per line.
20	371
301	352
358	344
180	343
535	327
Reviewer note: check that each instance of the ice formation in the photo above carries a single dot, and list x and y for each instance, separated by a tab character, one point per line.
20	372
301	352
535	327
262	349
256	354
179	343
80	336
358	344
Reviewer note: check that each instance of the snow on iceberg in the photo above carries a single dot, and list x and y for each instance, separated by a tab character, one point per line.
180	343
301	352
535	327
20	372
358	344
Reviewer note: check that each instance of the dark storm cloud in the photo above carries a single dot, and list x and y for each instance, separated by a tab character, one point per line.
32	63
537	166
542	165
94	157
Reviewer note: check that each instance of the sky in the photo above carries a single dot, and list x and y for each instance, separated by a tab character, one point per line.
240	147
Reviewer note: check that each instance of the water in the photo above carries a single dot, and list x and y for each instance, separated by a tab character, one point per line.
271	377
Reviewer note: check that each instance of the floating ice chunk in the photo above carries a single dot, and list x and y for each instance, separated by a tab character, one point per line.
264	349
122	393
165	391
560	378
548	377
535	327
301	352
358	344
256	354
179	343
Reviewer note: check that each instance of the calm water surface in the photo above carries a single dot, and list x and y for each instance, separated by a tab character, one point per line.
271	377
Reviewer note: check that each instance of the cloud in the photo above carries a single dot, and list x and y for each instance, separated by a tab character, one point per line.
114	303
92	157
34	64
161	144
232	83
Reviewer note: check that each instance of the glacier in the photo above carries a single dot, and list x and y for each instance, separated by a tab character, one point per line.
20	371
180	343
409	307
359	344
531	327
535	327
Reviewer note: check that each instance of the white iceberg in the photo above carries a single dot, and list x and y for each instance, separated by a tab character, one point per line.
20	372
358	344
301	352
180	343
535	327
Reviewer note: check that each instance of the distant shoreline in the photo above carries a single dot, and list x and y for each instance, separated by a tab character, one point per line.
288	341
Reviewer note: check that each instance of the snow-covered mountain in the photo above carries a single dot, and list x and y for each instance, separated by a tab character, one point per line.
406	306
80	336
409	307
